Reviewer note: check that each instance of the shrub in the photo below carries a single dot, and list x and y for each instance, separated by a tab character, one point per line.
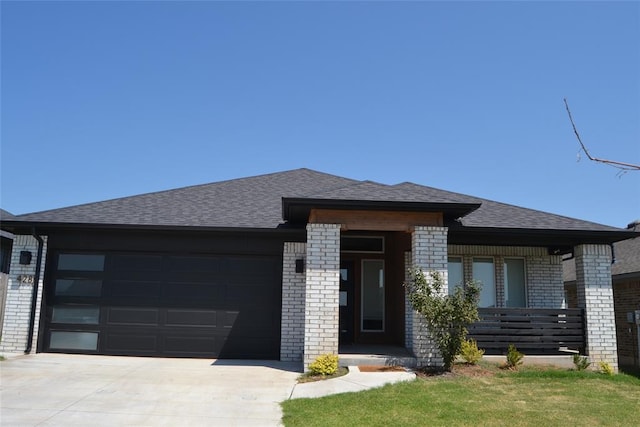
446	316
606	368
470	352
580	362
326	364
514	357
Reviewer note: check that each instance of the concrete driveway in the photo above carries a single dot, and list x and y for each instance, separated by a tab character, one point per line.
69	390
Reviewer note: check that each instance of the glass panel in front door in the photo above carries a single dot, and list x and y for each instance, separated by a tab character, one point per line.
372	295
346	302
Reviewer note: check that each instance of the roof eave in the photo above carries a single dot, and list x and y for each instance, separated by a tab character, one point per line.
296	210
537	237
22	227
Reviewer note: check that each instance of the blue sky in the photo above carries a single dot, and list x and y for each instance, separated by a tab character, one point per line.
110	99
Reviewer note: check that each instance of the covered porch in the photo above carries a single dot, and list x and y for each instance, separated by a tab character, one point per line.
316	295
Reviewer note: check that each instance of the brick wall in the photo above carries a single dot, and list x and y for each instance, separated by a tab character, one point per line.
429	253
543	271
626	296
322	276
17	311
595	295
293	304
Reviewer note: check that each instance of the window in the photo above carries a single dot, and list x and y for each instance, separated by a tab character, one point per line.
515	294
362	244
88	315
81	262
74	340
454	275
373	295
484	272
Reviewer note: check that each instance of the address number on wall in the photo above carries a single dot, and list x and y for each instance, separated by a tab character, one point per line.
26	279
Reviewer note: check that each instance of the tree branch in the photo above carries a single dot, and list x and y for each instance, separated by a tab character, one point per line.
620	165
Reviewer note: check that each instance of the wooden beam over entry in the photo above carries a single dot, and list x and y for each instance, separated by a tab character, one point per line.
375	220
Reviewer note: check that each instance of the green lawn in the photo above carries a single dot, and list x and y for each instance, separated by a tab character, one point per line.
529	397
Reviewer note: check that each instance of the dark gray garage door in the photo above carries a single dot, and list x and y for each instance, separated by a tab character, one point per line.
164	305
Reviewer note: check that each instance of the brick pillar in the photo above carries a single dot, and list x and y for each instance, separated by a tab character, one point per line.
15	328
293	292
595	296
321	326
428	252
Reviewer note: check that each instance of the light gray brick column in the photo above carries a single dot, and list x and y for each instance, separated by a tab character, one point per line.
293	294
15	327
595	296
428	252
321	325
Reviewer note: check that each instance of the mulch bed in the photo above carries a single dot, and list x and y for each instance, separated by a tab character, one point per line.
458	370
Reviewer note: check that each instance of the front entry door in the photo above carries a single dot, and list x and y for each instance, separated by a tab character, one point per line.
362	302
347	288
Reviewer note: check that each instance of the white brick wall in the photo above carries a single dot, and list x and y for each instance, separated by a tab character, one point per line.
293	306
429	253
545	288
595	295
18	303
322	273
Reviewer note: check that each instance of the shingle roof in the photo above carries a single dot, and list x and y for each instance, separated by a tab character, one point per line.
256	202
5	215
253	202
627	254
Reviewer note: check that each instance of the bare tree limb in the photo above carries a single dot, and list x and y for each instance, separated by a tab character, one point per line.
620	165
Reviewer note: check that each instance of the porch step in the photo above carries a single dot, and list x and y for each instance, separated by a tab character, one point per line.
376	360
375	355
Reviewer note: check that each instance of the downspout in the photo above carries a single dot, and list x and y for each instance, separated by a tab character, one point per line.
613	253
34	294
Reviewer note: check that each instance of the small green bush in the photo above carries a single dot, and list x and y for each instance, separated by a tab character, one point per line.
514	357
470	352
326	364
580	362
606	368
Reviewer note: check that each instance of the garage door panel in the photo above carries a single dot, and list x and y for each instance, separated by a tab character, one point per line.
133	316
240	347
255	322
187	264
136	275
123	264
247	265
186	317
129	289
198	293
131	343
190	345
248	294
229	319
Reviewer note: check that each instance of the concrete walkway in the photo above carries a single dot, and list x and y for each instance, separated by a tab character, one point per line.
78	390
353	381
